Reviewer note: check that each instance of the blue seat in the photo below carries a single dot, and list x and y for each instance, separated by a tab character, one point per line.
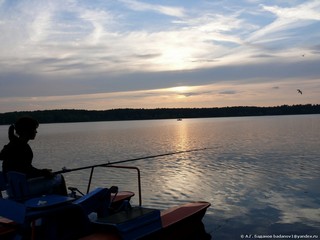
97	201
17	186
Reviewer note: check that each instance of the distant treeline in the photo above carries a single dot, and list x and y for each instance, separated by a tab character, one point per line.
73	115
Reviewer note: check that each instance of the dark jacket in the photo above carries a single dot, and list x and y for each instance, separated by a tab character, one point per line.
17	156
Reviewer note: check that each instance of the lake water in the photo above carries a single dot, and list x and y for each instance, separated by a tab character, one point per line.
261	174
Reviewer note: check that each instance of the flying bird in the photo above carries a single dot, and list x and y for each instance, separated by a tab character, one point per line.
299	91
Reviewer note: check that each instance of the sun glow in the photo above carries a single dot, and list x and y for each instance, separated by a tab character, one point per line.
180	89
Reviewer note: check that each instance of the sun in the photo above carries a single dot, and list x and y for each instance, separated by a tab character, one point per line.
175	58
180	89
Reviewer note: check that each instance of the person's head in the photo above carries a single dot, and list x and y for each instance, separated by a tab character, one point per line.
26	127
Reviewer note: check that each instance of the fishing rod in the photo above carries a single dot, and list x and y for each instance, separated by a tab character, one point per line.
66	170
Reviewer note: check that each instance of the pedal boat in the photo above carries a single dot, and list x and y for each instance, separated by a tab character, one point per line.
101	214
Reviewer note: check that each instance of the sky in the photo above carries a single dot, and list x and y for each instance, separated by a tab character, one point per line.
100	54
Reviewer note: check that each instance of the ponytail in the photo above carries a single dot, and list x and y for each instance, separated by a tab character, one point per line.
11	133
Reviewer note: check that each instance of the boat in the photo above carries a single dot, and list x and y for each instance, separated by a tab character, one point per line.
99	214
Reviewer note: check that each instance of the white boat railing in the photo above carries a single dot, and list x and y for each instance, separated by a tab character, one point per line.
107	166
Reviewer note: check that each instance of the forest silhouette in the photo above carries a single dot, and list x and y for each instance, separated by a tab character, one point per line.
75	115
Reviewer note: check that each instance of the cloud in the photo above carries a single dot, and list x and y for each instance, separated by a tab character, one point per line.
227	92
142	6
198	93
147	56
304	11
286	19
262	56
315	49
82	81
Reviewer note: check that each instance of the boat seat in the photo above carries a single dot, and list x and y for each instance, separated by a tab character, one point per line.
97	201
133	223
20	189
27	208
17	187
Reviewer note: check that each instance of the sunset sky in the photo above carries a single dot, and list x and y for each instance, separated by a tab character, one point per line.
103	54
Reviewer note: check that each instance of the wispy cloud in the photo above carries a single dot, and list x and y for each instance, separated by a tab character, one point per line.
228	92
162	9
287	18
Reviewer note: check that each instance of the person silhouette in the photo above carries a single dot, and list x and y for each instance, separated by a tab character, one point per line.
17	156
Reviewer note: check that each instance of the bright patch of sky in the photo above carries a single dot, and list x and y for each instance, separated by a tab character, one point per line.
132	53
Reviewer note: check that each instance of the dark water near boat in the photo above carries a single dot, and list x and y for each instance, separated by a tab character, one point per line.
261	174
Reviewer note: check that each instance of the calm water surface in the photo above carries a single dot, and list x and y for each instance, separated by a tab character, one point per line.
261	174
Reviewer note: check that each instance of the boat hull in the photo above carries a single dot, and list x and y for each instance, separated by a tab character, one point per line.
181	222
